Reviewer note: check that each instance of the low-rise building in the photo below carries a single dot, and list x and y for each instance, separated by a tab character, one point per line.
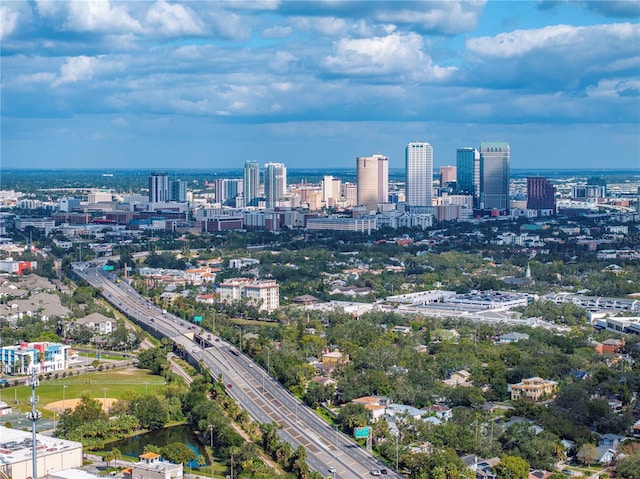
533	389
152	467
43	357
53	454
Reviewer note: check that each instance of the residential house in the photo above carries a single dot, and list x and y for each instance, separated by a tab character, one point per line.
206	298
533	389
376	405
445	413
483	468
539	474
459	378
394	410
610	346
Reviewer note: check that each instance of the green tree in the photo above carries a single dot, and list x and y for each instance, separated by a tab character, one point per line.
178	453
151	411
353	415
512	467
588	454
628	467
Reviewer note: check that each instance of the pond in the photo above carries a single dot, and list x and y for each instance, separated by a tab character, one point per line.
134	446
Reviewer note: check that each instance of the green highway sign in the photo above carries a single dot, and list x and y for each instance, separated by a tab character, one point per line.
361	432
197	319
107	267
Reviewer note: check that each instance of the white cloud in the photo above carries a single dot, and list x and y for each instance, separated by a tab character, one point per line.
327	26
8	21
99	16
576	40
31	78
82	68
400	54
174	19
277	31
448	17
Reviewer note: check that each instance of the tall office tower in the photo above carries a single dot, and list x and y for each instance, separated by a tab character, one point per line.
275	183
251	183
331	193
468	172
373	180
448	174
227	189
541	194
419	170
179	191
159	188
494	175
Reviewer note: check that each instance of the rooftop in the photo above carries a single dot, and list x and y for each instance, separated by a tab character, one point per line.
16	446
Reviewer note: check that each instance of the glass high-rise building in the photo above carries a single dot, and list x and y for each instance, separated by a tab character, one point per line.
419	171
251	183
275	183
159	191
494	175
179	191
468	172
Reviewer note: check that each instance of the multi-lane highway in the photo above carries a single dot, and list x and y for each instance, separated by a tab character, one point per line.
329	452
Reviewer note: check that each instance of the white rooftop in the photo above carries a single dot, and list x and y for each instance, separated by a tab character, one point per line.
15	445
72	474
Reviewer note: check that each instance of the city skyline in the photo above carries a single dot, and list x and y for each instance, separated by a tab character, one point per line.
315	84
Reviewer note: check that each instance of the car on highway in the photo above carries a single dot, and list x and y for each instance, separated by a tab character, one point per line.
230	386
332	469
375	472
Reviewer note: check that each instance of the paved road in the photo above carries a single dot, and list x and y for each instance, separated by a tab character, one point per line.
265	400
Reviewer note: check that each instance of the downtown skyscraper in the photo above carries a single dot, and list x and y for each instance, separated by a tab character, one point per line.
251	183
468	172
159	191
419	170
275	183
373	180
495	161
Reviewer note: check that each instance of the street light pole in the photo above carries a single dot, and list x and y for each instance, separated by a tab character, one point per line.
397	436
64	388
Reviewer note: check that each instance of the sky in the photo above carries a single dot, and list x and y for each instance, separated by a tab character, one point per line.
212	84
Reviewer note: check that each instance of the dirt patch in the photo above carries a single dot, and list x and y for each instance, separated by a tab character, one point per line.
72	403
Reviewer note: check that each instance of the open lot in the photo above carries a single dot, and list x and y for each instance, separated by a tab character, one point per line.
112	384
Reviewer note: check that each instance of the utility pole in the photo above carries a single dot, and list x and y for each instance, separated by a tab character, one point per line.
33	416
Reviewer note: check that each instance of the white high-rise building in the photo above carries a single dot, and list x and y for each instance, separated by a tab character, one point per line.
275	183
251	183
419	168
331	191
373	180
159	191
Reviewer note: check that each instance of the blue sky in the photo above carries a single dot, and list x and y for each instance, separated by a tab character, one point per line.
211	84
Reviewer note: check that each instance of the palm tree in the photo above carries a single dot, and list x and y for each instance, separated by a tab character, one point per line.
116	455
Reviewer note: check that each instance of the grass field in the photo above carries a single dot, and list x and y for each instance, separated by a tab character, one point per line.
110	384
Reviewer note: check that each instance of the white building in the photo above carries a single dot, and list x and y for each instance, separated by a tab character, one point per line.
42	357
419	168
264	294
151	467
53	454
275	183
